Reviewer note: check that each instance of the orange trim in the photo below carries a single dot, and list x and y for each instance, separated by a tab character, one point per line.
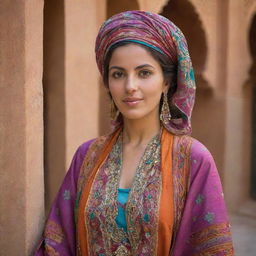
166	211
81	226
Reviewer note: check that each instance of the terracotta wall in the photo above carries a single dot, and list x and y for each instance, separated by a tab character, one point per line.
82	22
21	126
238	102
76	106
71	84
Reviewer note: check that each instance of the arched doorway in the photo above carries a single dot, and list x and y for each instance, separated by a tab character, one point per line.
206	113
183	14
114	6
252	73
54	98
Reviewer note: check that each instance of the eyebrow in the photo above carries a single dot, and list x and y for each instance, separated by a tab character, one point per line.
139	67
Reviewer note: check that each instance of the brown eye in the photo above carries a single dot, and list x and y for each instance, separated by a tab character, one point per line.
145	73
117	74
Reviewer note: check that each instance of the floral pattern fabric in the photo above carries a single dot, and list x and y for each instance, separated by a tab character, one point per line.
201	224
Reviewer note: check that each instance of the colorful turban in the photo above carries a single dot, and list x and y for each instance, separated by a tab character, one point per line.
159	33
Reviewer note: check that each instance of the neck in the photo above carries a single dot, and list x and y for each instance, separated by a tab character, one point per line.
140	131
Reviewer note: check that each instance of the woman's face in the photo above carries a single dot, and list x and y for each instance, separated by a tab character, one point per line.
136	82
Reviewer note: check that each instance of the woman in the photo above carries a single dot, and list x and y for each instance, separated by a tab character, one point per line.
147	188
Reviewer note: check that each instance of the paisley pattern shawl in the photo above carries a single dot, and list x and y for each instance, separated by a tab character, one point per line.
90	165
93	153
200	223
181	177
213	240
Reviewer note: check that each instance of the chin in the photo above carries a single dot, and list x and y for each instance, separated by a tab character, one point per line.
136	116
132	116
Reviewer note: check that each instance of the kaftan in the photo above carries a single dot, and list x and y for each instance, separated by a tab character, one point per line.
203	227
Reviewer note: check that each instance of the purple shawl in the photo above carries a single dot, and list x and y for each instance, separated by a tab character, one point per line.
204	227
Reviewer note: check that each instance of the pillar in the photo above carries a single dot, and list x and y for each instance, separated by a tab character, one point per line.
21	126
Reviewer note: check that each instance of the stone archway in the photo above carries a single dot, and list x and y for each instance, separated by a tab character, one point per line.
114	6
206	114
252	79
183	14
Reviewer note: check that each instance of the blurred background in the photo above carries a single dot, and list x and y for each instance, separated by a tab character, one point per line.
52	100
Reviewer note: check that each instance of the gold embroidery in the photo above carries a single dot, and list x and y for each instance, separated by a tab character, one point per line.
121	251
101	209
90	159
54	231
181	178
51	251
212	240
149	168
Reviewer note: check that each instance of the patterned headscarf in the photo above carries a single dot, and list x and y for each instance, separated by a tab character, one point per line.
159	33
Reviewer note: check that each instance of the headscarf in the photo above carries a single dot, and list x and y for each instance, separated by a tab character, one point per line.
159	33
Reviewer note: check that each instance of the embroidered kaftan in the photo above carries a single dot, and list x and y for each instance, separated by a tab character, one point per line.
203	228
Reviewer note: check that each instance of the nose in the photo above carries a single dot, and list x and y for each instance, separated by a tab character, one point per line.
131	84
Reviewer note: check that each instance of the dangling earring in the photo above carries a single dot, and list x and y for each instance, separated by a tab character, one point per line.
114	112
165	115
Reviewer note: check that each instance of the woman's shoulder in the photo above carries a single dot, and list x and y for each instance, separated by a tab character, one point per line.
196	150
199	150
82	152
201	160
196	147
84	147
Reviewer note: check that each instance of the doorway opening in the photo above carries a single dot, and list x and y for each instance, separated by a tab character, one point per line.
54	98
252	36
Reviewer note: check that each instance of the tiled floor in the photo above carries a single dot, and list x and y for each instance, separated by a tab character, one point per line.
244	235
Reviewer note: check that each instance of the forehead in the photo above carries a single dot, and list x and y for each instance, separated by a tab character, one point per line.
132	54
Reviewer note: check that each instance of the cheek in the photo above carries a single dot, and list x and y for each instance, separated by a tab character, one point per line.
115	90
155	88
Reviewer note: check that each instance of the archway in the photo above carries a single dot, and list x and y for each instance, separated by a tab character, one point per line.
252	74
183	14
206	113
114	6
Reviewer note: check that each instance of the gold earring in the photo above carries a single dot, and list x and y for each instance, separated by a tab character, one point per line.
165	115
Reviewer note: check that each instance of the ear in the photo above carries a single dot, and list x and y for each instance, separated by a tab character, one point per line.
107	90
109	94
166	87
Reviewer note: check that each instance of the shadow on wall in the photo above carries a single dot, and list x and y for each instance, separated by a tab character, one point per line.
250	90
54	98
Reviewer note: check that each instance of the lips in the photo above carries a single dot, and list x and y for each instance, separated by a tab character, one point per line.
131	101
